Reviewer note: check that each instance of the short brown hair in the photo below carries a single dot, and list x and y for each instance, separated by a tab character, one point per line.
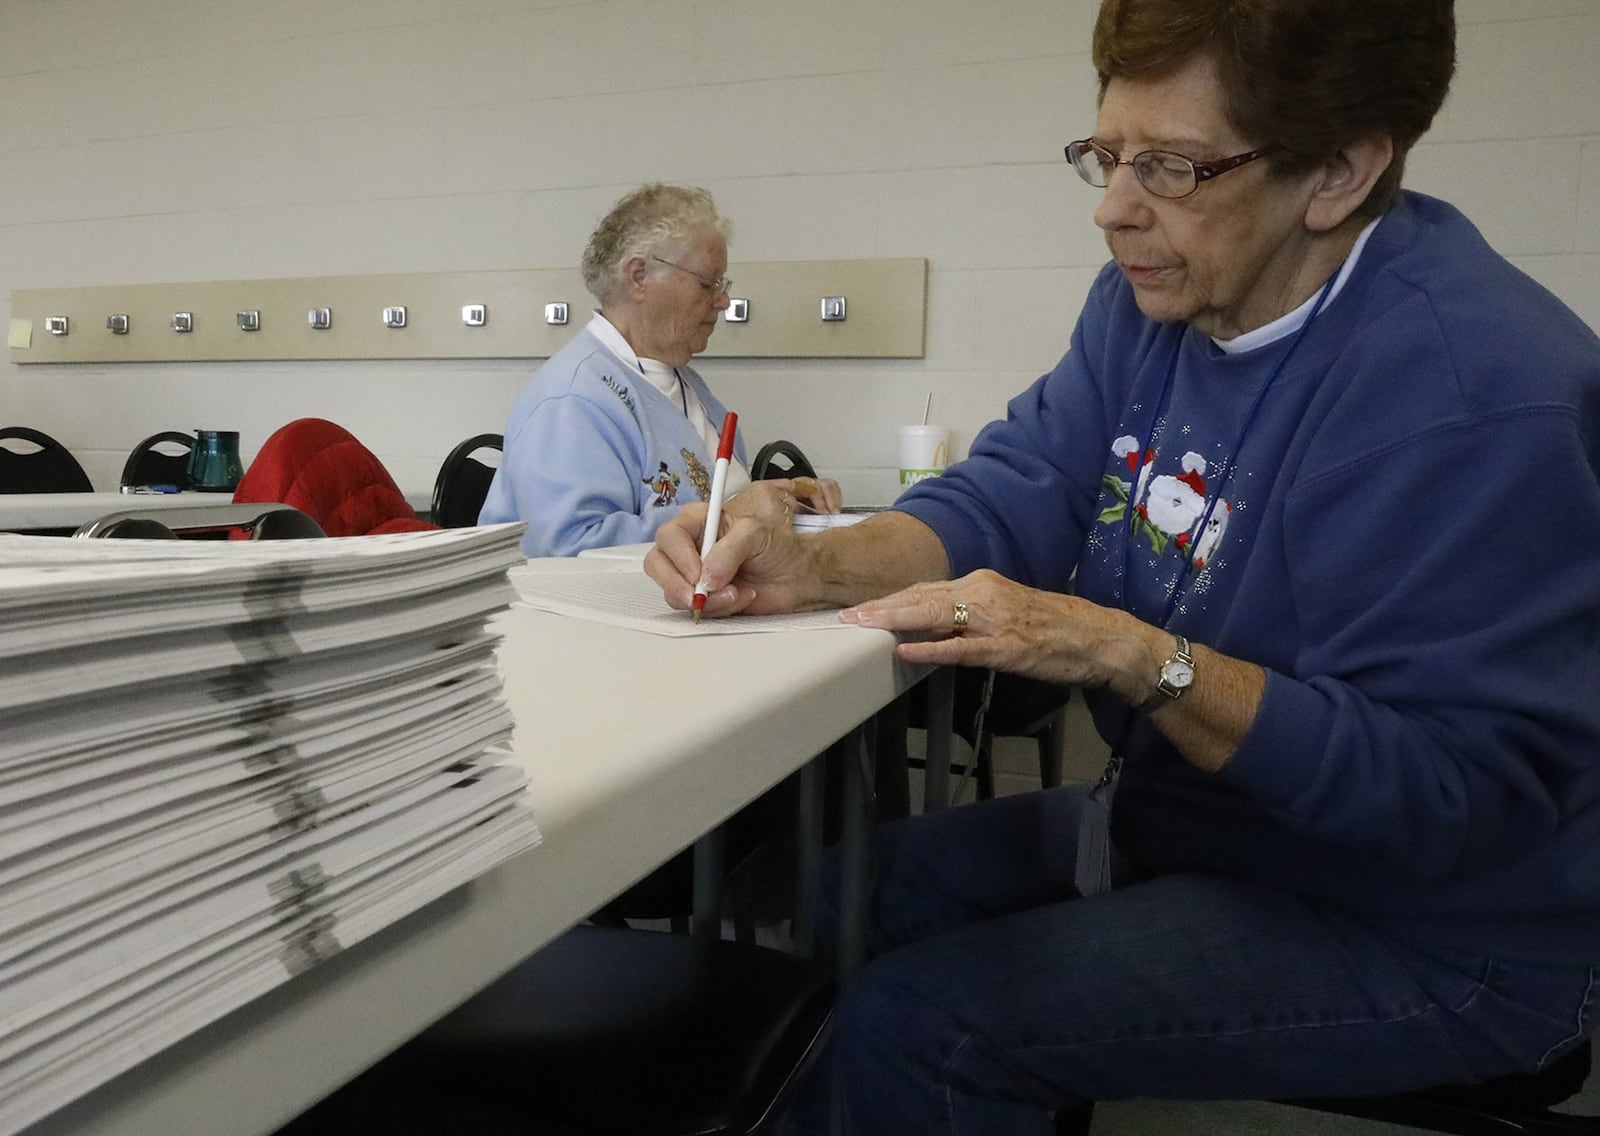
1307	76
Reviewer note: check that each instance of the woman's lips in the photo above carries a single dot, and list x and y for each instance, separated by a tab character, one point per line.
1142	273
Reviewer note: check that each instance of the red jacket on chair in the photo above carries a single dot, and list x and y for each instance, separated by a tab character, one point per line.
322	470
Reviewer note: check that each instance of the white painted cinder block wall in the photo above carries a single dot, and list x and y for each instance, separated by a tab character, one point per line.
220	140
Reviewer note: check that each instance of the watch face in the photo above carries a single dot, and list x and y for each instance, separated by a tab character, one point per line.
1176	672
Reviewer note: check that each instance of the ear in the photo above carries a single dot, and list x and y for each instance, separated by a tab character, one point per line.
634	273
1344	180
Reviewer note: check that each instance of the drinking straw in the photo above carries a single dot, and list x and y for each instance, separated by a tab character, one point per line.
926	407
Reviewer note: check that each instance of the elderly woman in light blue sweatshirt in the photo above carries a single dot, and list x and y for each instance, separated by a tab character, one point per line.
616	431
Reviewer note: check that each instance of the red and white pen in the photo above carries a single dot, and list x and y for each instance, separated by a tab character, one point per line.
719	487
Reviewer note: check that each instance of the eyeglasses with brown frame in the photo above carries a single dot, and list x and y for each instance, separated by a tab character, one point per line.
1162	172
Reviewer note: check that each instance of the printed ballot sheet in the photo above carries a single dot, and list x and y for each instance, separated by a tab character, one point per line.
224	762
621	595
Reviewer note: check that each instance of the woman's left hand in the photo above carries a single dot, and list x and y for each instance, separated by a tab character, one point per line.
782	496
816	494
986	620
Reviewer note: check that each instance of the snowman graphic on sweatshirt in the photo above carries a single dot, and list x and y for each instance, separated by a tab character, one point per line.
1169	508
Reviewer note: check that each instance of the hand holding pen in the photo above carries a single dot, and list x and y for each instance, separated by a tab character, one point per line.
719	488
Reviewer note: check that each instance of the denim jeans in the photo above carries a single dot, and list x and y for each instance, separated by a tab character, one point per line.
996	995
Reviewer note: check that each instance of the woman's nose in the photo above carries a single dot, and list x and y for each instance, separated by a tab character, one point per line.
1122	202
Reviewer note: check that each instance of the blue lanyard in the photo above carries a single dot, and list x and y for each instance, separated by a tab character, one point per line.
1185	576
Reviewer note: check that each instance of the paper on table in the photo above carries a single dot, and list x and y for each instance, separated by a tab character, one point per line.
634	601
633	552
816	522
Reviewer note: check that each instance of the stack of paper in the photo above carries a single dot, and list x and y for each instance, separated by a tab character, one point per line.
222	762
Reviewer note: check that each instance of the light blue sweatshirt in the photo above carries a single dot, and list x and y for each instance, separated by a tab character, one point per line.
595	456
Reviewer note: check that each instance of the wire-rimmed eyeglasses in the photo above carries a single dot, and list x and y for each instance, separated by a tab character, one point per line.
1162	172
712	284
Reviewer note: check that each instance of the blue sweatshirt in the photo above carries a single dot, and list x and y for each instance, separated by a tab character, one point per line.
1409	544
596	457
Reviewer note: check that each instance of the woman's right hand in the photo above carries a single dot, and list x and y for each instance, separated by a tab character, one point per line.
757	564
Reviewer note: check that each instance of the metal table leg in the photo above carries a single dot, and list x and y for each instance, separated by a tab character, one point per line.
705	922
941	715
855	850
808	859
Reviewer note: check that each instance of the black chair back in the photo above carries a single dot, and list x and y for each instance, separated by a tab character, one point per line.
161	459
285	524
463	482
221	520
781	458
137	528
40	465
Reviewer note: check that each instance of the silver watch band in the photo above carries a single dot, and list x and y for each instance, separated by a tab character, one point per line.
1174	677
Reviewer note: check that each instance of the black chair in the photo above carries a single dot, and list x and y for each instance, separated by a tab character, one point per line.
39	465
161	459
602	1032
463	482
756	880
137	528
781	458
284	524
1520	1103
1018	708
206	522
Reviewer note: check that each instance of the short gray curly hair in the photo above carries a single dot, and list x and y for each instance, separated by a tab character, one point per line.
655	219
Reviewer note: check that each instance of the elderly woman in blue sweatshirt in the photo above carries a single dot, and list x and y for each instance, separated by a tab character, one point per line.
1324	466
616	431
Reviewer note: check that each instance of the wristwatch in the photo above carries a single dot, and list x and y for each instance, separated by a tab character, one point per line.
1175	677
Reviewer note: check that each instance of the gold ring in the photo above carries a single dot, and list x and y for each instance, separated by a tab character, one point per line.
961	618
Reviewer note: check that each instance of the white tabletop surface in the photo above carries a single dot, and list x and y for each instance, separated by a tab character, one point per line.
634	745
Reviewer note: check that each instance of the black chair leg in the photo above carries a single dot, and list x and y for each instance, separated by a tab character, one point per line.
1052	740
892	783
742	908
985	772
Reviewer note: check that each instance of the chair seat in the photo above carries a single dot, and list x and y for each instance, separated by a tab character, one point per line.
1519	1103
603	1032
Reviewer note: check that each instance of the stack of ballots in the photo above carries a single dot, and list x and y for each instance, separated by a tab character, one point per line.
222	762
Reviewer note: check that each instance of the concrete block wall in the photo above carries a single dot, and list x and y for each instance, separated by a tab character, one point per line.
220	140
